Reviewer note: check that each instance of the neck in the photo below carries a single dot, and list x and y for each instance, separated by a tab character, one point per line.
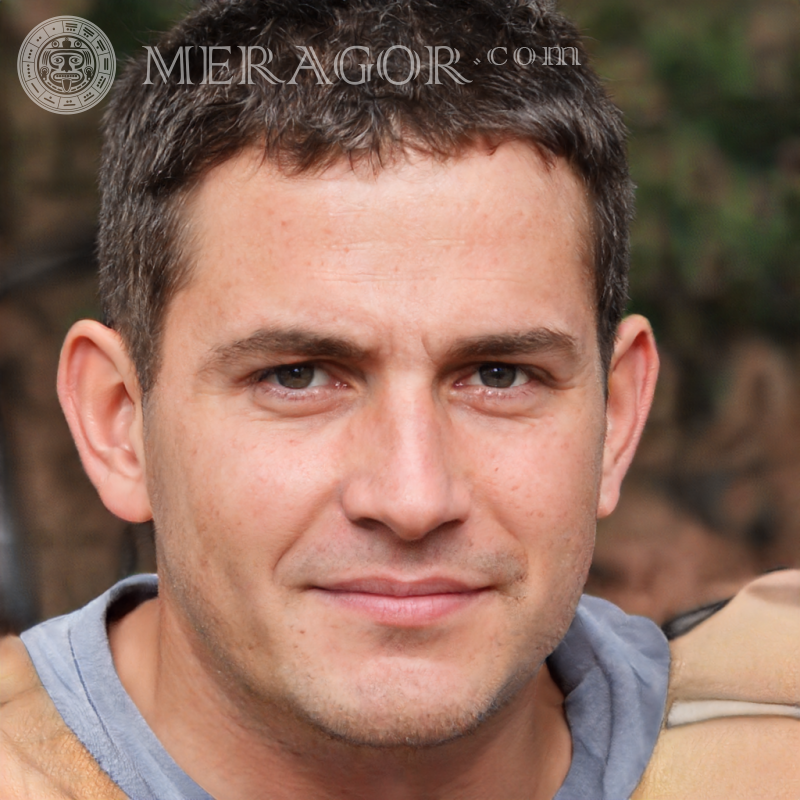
523	751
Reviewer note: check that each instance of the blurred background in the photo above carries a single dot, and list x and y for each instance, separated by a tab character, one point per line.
711	93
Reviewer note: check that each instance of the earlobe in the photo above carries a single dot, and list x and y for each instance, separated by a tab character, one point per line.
631	383
100	395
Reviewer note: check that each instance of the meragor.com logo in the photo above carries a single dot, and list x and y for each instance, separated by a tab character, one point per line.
66	65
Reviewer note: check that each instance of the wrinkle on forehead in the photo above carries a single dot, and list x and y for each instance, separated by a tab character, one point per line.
414	171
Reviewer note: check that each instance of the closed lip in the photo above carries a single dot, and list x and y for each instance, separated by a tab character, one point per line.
402	603
392	587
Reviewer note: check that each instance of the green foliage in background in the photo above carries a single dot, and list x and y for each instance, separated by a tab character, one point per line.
711	93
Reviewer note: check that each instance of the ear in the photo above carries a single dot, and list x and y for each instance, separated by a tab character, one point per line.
631	383
99	392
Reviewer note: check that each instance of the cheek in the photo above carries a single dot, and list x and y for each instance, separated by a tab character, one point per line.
235	498
545	497
541	484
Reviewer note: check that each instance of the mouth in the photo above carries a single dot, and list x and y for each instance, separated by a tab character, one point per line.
409	604
67	77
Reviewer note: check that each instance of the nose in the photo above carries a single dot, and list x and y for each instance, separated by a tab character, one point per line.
404	474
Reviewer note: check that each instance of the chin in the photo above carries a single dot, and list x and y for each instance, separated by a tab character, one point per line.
403	706
427	728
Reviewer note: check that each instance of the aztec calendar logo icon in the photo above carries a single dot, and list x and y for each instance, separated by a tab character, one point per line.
66	65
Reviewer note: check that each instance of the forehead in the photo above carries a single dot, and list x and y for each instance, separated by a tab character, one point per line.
434	246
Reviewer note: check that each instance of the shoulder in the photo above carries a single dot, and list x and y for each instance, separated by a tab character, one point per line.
42	759
612	669
732	727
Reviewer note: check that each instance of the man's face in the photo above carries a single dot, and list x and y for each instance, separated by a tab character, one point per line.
374	447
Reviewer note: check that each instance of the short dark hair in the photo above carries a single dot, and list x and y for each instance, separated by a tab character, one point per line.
162	135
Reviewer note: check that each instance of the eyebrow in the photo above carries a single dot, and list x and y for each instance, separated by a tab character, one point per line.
277	341
526	343
307	344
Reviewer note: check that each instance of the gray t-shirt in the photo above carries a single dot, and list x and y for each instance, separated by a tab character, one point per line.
611	667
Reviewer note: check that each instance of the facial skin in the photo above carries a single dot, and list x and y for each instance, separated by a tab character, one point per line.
375	453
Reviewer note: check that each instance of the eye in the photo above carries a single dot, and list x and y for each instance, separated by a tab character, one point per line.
498	376
296	376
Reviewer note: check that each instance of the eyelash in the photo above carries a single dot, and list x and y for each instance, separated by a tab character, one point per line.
260	379
534	377
530	374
